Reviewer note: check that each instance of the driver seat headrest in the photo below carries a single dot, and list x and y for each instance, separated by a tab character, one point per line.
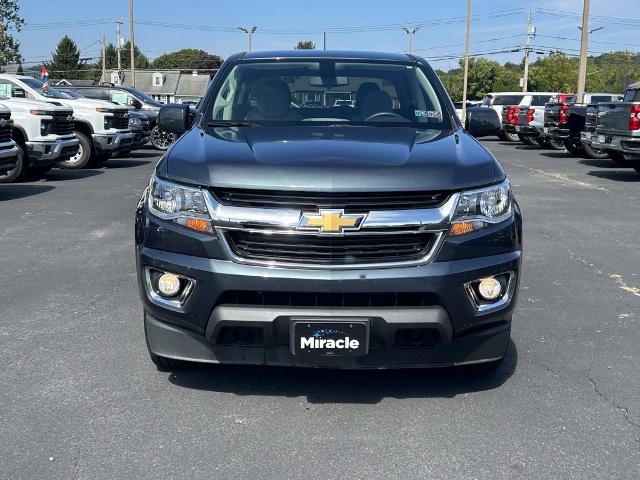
375	101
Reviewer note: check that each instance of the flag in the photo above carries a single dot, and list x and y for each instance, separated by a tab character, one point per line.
44	78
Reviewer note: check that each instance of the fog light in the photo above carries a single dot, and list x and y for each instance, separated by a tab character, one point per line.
489	288
169	284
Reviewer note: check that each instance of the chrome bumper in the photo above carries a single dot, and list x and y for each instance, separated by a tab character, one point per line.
55	151
111	142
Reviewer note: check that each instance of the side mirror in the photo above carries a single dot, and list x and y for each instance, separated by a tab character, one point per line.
137	104
19	93
174	118
482	121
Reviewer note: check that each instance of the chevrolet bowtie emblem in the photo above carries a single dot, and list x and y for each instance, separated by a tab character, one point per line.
330	221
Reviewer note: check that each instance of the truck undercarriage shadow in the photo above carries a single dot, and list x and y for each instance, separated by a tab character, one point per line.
344	386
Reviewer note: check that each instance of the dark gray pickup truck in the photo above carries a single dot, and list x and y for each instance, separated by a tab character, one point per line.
618	129
285	228
567	122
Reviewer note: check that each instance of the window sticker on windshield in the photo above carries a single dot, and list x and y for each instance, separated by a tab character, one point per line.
428	114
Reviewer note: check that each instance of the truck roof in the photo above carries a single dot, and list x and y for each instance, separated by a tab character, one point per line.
337	54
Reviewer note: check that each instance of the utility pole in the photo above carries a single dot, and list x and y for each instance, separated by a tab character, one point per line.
531	33
584	47
118	23
411	33
324	40
249	31
466	65
104	59
131	43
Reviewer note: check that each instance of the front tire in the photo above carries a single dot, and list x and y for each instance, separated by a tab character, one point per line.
12	175
83	156
160	139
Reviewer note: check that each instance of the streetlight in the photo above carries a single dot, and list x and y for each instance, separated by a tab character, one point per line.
411	33
249	31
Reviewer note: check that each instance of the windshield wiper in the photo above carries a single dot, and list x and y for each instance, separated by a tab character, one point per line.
231	123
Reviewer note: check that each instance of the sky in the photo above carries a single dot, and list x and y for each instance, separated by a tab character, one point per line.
168	25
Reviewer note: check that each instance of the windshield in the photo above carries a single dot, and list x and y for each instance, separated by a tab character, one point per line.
45	92
328	91
144	97
70	94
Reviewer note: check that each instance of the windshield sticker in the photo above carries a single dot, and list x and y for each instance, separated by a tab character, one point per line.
428	114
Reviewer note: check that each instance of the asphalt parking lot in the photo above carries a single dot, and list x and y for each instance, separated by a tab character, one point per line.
79	398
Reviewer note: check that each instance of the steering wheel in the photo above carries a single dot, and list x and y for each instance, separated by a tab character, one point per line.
385	114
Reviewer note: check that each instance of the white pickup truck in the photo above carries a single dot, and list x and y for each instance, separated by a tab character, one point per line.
42	132
8	149
102	127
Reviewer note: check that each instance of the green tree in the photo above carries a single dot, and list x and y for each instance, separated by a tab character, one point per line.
10	19
305	45
111	57
556	72
483	76
188	59
65	60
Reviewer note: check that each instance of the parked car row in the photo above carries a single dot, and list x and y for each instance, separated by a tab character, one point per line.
604	125
42	127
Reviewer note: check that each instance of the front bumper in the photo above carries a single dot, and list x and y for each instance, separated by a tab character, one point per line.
626	145
52	152
8	157
195	332
113	142
140	138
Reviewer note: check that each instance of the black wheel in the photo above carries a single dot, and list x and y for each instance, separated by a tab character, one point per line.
511	137
83	156
543	142
573	149
502	135
556	144
160	139
12	175
620	158
596	153
527	140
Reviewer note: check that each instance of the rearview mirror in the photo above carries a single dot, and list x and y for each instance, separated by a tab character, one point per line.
174	118
135	103
482	121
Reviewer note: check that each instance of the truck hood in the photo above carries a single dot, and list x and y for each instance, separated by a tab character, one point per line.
25	104
88	104
332	158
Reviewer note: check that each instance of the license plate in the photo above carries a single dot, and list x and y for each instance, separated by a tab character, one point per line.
322	338
601	139
545	129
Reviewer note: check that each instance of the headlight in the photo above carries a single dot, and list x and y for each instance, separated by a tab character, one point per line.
478	208
134	122
180	204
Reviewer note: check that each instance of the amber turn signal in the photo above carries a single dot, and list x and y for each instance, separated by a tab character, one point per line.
462	227
197	224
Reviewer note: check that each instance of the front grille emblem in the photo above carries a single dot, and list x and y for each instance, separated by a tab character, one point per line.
331	222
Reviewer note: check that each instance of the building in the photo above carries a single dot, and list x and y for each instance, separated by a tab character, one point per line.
166	86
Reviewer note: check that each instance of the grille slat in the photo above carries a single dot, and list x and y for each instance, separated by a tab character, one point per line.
120	121
314	200
61	125
338	250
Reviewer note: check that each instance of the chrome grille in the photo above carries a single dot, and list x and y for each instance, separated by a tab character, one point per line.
5	127
350	202
62	123
120	121
350	249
